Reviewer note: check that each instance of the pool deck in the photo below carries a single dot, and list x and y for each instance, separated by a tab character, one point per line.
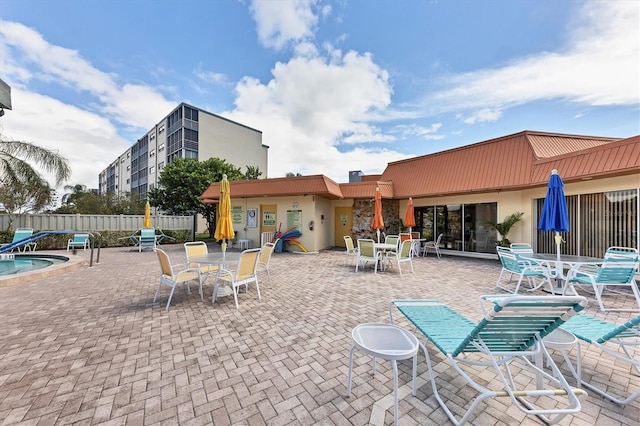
89	347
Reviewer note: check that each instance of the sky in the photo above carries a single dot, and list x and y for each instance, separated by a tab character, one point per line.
334	85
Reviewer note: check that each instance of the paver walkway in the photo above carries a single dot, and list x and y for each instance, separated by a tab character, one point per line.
90	348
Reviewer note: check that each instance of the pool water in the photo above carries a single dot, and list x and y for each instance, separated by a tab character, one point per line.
28	262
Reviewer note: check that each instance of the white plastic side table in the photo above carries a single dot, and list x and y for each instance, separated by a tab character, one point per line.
244	244
388	342
563	341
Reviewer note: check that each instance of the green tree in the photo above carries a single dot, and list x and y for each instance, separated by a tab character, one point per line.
76	191
84	201
181	183
22	198
505	226
22	184
252	173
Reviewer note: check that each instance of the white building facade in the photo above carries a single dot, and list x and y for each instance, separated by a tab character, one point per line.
186	132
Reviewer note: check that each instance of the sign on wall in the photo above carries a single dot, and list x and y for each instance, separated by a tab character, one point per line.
294	219
237	215
252	218
268	218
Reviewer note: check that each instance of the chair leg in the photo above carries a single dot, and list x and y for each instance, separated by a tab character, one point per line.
257	288
157	291
170	297
235	294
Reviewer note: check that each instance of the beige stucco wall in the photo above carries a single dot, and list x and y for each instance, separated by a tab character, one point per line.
305	203
508	202
522	201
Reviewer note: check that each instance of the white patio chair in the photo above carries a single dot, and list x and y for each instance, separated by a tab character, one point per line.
621	342
171	278
512	330
78	241
265	260
522	268
617	271
199	248
351	249
367	253
435	245
521	248
403	255
244	274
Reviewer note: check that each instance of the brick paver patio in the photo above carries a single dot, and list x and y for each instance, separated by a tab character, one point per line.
89	347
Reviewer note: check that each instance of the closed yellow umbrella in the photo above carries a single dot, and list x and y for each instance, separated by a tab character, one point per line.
378	221
224	226
147	216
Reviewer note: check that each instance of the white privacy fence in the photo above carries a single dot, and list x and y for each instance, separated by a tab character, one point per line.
89	222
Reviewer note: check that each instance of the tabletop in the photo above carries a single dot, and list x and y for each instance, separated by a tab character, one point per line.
569	259
215	258
384	246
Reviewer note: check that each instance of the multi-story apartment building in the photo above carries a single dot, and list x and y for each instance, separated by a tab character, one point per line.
186	132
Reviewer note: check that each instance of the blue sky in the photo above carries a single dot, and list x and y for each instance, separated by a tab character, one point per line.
333	85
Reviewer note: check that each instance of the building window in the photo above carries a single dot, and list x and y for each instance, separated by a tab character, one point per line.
160	166
464	226
128	167
152	153
161	147
596	222
152	170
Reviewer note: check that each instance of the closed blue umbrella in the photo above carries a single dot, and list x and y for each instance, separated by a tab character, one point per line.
554	216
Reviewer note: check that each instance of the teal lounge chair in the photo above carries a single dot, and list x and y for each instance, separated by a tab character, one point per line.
147	239
78	241
511	330
512	265
616	272
24	234
621	342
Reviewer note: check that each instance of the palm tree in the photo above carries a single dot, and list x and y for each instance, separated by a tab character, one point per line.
505	226
17	160
76	191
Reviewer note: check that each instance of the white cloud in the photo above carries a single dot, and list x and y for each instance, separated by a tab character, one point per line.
84	134
211	77
485	115
284	21
134	105
307	107
598	66
89	142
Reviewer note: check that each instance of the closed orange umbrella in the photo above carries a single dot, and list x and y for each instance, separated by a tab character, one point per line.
409	217
147	216
224	226
378	221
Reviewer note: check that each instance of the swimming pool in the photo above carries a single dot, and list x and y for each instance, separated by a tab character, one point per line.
28	262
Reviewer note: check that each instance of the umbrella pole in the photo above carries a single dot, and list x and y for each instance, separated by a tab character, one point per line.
559	271
223	246
378	232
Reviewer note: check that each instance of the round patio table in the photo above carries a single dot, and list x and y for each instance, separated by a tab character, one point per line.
220	260
387	342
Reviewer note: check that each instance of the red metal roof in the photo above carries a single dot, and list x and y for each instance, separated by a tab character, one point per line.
510	162
298	185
